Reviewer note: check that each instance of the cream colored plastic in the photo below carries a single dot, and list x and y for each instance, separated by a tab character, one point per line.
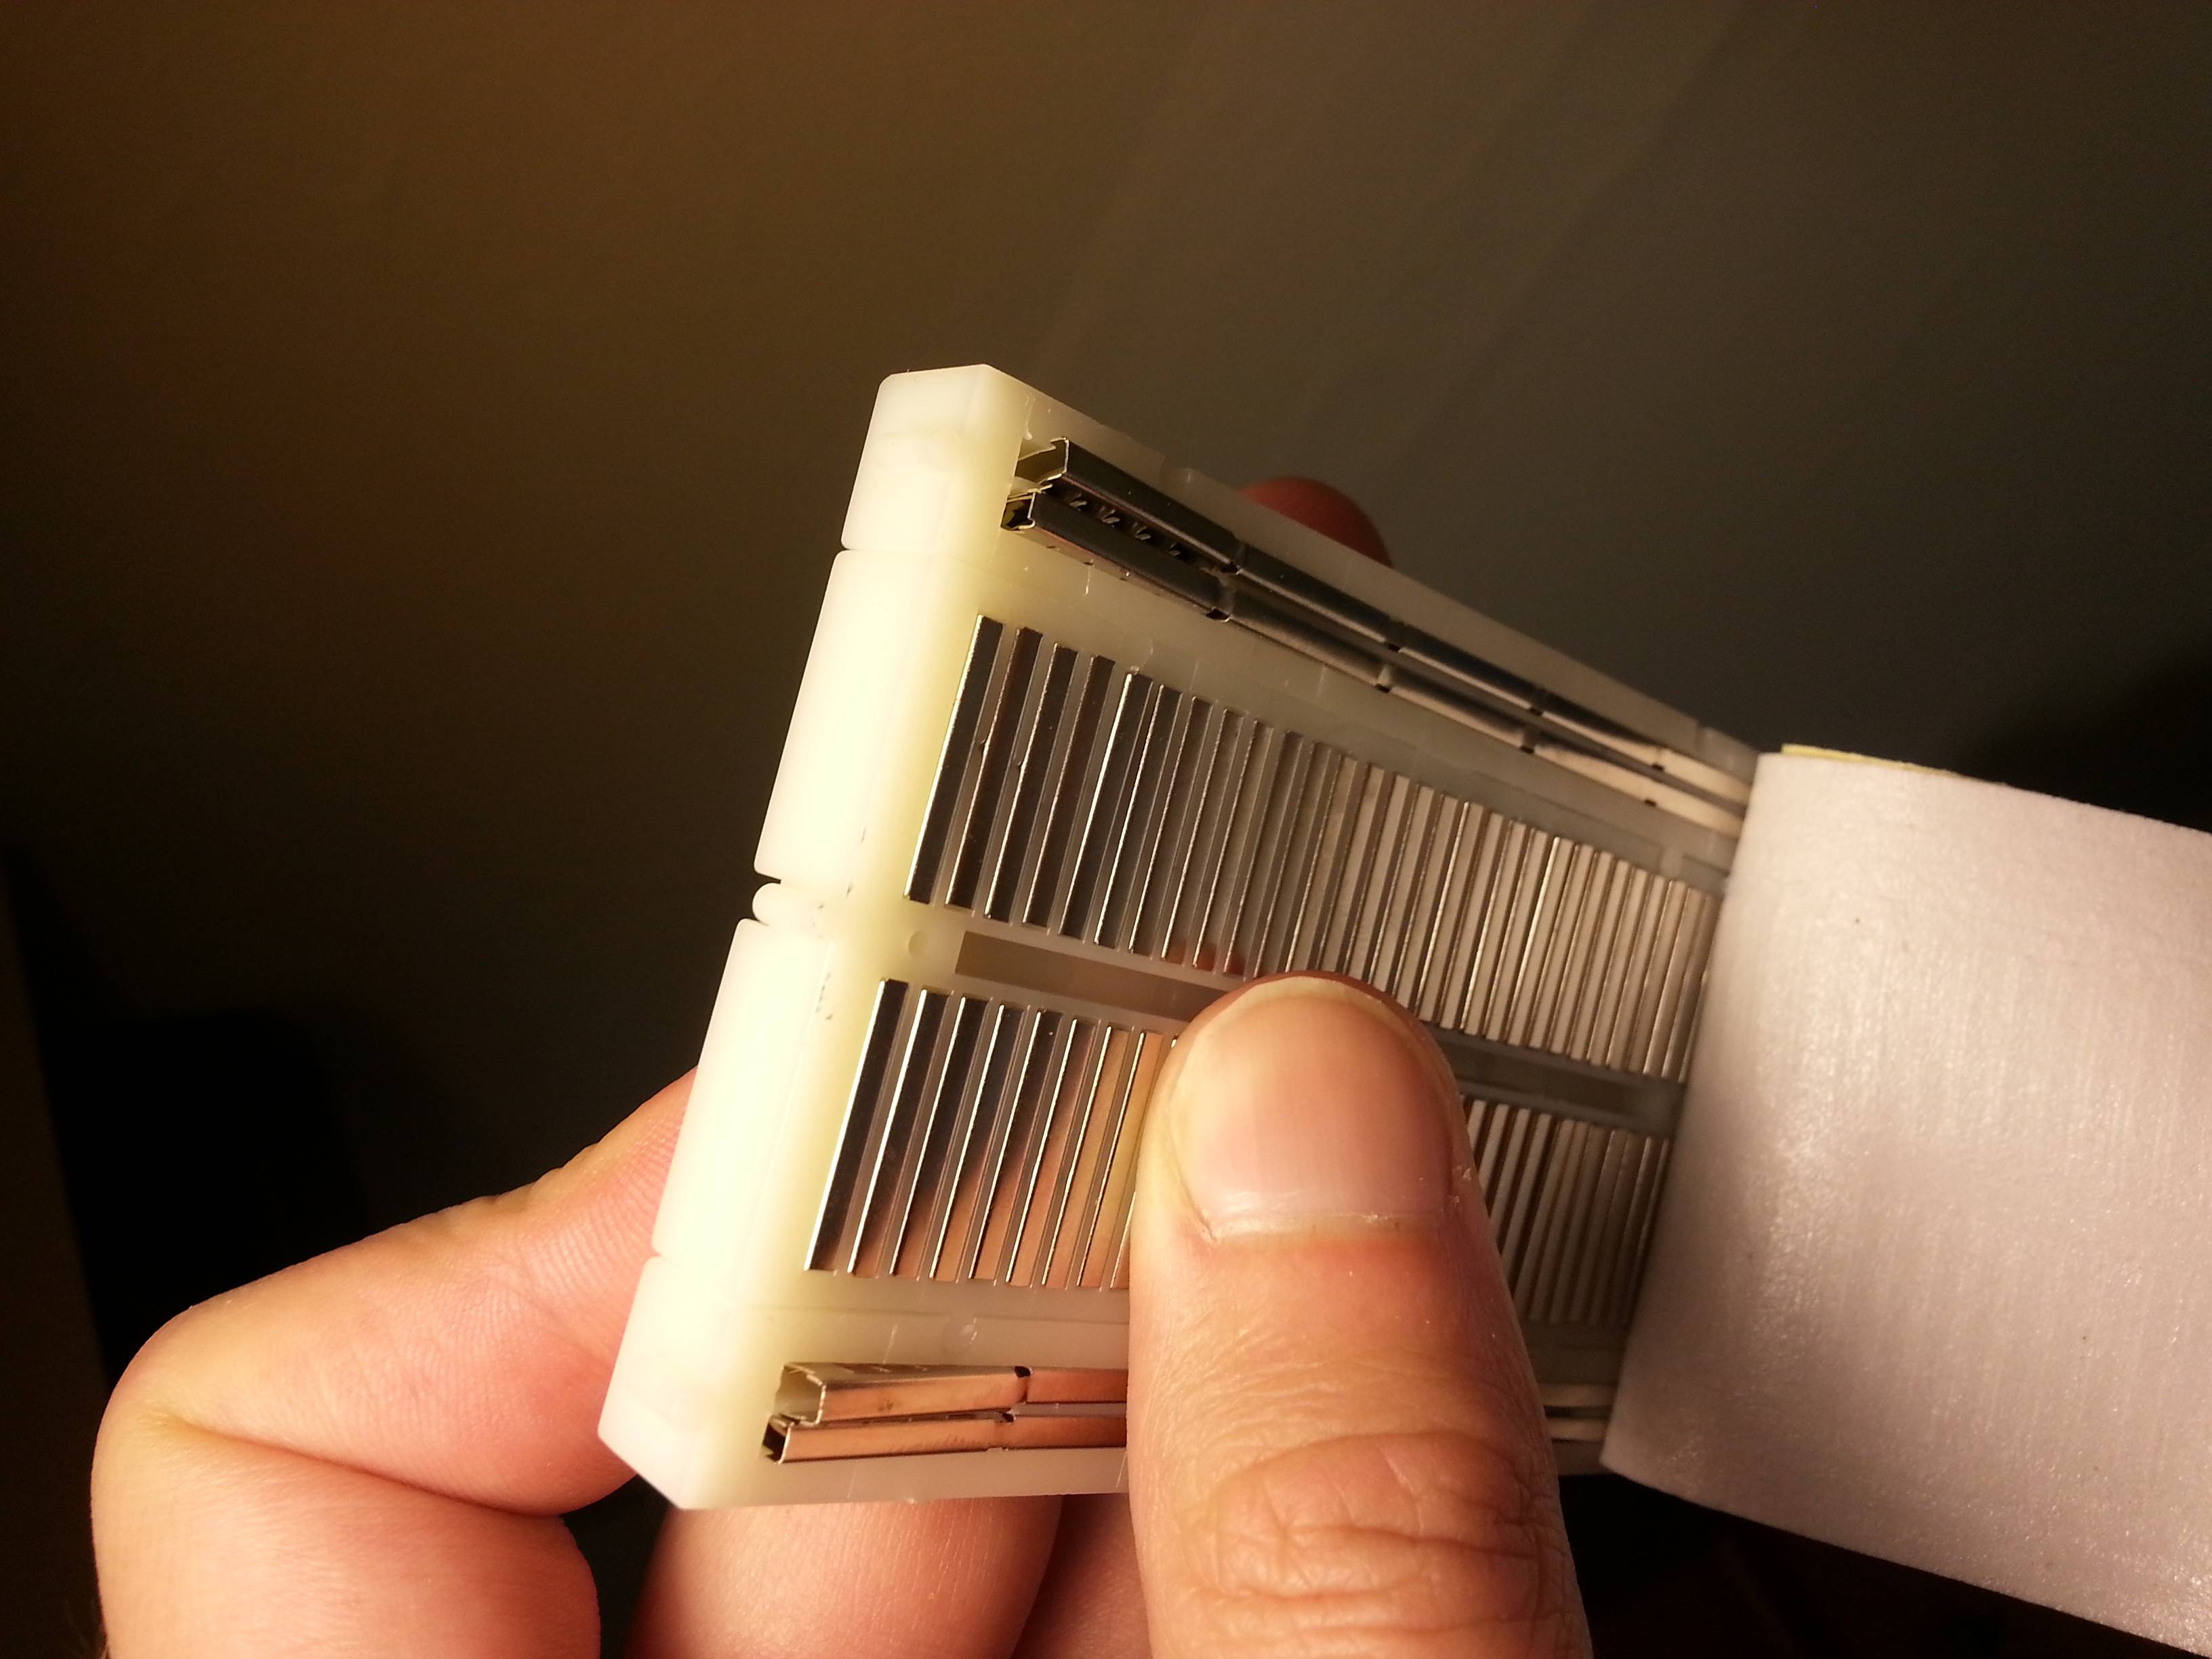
728	1299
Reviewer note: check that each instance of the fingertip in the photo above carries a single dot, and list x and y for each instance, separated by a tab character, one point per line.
1309	1100
1324	508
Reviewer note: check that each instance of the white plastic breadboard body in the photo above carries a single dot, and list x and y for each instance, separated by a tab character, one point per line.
1033	812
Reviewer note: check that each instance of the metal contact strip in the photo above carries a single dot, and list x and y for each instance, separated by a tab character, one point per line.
1529	938
1609	1204
1255	911
1002	729
1036	869
1078	801
1180	551
1602	1229
1151	886
1308	934
1120	1205
1516	1127
1541	1202
1524	1145
862	1126
1070	1056
1665	990
1691	1001
1684	801
952	1194
1642	1254
1405	926
1563	1018
1020	760
1126	820
1551	1203
1282	863
960	733
1240	860
1651	976
1063	812
1370	934
1563	980
1035	1084
1589	1222
1518	1192
1476	884
1486	1126
922	1053
1150	802
1572	1232
1540	1210
1650	1171
1086	1187
1194	759
1387	855
1063	1147
1444	889
1287	627
1494	925
1593	1295
1288	928
1359	833
1678	960
884	1233
1012	858
981	1147
1010	1121
1107	802
1596	1035
1587	961
1338	805
1570	1142
1554	958
1231	875
960	824
1518	1153
1201	869
1643	929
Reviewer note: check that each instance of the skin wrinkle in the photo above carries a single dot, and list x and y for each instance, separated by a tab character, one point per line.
1278	1526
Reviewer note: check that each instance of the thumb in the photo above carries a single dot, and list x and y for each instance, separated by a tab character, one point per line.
1335	1444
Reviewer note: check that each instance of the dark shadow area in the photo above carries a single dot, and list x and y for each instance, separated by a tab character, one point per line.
2148	751
200	1151
1662	1577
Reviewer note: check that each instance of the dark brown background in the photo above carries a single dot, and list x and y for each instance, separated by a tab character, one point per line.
423	432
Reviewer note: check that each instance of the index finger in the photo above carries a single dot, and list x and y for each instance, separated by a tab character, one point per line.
368	1453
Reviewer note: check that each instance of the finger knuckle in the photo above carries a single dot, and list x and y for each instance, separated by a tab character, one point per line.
1389	1544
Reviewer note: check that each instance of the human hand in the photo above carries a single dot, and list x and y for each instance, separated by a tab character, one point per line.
1334	1441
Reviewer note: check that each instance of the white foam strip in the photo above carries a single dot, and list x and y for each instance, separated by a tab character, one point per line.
1934	1277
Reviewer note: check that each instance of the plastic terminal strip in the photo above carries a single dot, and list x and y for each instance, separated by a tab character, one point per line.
1086	741
1084	502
